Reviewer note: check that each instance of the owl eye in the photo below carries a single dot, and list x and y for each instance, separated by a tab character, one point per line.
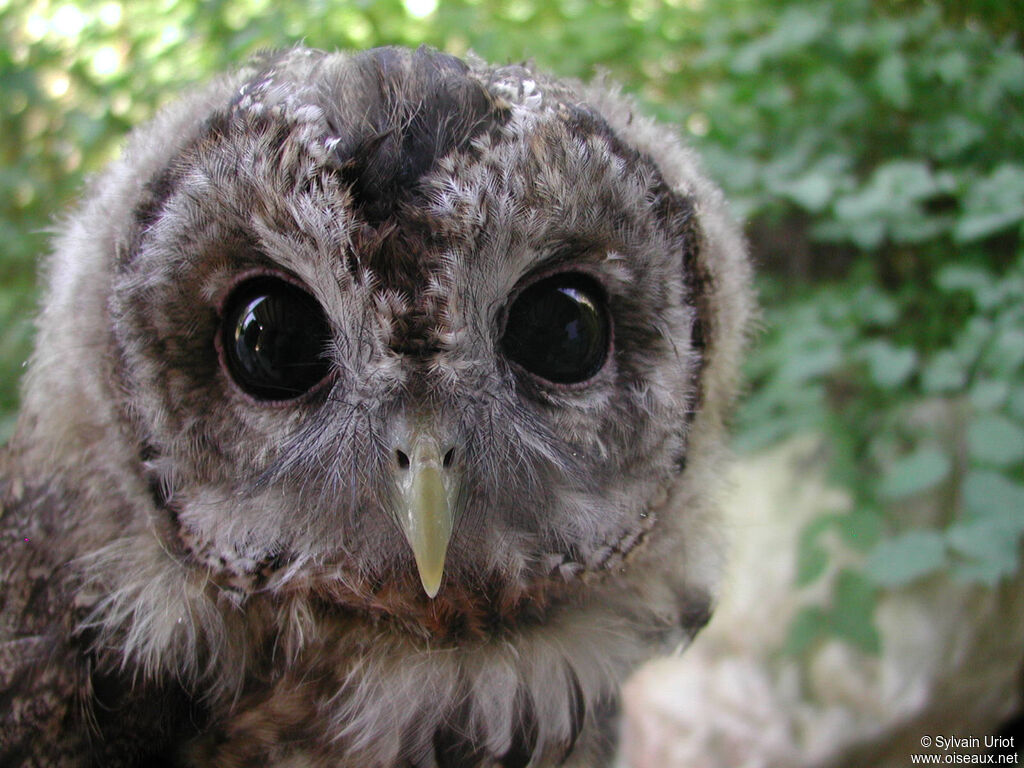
558	328
273	337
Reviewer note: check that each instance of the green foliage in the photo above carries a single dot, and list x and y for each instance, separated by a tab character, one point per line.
903	558
884	152
849	617
875	151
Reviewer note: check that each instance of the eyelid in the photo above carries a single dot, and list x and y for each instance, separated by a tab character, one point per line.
550	269
228	290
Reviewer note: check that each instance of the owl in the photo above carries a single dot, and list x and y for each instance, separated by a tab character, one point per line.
375	419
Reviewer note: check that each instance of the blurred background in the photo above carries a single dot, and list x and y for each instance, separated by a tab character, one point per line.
875	152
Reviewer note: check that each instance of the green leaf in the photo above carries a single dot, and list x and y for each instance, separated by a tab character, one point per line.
905	558
990	494
1017	401
807	627
990	548
861	529
992	204
953	66
811	558
1006	353
944	373
950	135
979	283
989	394
890	202
917	472
811	192
874	307
994	439
890	366
809	364
853	608
891	78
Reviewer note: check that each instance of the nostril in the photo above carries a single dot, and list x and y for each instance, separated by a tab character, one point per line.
448	458
402	458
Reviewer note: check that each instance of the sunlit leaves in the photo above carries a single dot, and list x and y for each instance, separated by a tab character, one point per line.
892	204
911	358
992	203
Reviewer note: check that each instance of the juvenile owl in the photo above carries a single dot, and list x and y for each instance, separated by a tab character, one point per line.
375	420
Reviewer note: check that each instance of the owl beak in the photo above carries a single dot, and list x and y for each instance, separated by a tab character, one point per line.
427	490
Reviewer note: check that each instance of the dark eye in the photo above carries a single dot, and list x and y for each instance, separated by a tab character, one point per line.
558	328
274	337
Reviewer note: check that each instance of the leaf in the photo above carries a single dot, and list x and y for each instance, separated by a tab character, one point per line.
1017	401
908	180
861	529
953	66
980	283
1006	352
990	494
890	202
808	626
811	192
853	608
874	307
943	373
994	439
867	233
991	550
898	561
890	366
989	394
976	225
992	203
891	79
811	558
809	364
792	32
923	469
951	135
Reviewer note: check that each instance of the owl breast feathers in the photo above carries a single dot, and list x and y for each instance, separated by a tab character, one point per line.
375	419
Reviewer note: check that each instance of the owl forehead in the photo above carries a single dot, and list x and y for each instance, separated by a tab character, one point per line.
426	147
447	184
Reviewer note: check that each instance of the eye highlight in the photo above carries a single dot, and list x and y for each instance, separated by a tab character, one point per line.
559	329
273	337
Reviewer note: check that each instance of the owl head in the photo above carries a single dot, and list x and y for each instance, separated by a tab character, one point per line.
394	337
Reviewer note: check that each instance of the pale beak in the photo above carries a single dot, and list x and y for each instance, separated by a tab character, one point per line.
427	491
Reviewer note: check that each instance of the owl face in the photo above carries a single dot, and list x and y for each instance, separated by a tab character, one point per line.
404	332
375	418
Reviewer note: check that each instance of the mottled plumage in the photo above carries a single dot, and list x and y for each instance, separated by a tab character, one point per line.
431	541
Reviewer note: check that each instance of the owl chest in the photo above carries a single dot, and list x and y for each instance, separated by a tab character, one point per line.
442	709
